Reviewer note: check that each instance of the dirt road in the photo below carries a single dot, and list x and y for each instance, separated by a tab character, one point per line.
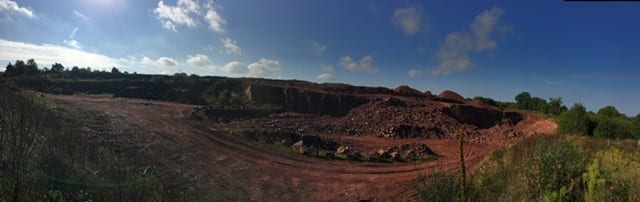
272	175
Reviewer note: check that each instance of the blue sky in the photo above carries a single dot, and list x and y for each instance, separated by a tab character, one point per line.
583	52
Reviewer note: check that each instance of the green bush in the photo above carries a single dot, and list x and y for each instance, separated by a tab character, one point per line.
574	121
438	185
552	171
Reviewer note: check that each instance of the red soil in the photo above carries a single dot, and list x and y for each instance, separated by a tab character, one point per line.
275	176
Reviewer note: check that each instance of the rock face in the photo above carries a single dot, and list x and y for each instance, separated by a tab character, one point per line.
349	89
134	92
482	117
304	101
185	96
450	96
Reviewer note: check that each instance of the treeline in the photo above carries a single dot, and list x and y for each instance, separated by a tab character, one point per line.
606	123
524	101
30	68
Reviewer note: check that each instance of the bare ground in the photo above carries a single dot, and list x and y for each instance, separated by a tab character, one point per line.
270	175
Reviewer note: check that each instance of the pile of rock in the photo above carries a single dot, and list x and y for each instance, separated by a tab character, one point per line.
405	152
394	118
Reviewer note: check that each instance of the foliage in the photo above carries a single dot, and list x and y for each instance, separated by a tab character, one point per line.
45	158
574	121
613	175
609	112
607	123
438	185
551	168
524	101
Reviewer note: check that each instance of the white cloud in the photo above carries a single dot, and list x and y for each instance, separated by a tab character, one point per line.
162	65
365	64
167	62
160	62
325	76
189	5
235	67
199	60
415	73
408	19
185	13
327	72
264	67
231	47
454	53
214	19
483	26
80	15
171	16
73	33
49	54
72	43
12	6
317	48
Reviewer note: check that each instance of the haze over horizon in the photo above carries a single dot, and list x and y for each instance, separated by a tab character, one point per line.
581	51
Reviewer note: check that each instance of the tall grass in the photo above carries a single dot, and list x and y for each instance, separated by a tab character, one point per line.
549	168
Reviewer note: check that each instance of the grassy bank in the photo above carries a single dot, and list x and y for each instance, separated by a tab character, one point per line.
549	168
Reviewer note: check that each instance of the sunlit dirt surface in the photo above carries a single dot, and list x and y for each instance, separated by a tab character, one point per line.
270	175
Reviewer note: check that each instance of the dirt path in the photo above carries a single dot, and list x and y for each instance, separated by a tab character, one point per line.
273	175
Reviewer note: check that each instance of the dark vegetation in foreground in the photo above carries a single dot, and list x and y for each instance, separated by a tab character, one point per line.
50	152
549	168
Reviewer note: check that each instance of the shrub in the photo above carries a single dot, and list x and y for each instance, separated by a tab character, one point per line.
438	186
574	121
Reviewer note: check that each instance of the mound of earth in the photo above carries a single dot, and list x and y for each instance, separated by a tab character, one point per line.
451	96
405	90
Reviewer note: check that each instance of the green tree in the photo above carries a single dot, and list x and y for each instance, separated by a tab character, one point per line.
635	126
575	121
522	100
115	70
57	68
9	70
606	128
31	68
609	111
537	104
555	106
19	68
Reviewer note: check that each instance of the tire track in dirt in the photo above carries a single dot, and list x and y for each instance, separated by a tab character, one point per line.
322	179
